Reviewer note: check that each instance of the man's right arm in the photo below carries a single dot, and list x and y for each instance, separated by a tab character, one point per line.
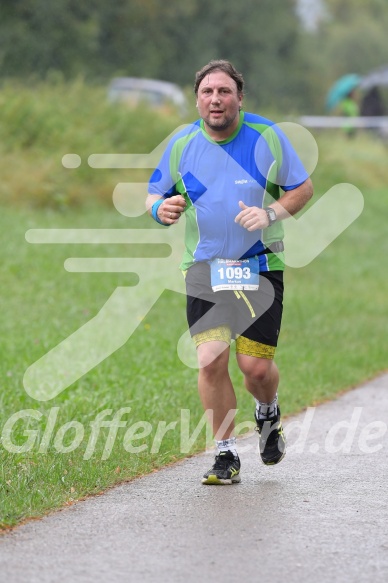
168	211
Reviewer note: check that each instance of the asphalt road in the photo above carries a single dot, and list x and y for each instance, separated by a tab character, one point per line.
321	515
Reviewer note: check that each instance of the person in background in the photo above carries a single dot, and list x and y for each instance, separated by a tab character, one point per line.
349	108
372	103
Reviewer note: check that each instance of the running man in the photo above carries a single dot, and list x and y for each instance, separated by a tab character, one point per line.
236	178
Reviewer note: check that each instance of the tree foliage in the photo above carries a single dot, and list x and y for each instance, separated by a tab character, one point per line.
350	39
284	65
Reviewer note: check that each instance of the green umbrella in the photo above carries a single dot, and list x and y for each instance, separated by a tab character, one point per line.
341	88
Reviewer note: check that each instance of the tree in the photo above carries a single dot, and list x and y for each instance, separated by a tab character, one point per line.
39	36
355	34
154	38
351	38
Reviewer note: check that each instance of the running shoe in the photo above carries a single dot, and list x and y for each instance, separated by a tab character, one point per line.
226	470
272	442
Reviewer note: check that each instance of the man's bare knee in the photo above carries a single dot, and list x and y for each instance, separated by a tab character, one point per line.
257	370
213	357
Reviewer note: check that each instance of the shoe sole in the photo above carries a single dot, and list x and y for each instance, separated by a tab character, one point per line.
212	480
274	463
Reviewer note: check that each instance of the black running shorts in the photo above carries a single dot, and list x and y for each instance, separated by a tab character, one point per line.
255	315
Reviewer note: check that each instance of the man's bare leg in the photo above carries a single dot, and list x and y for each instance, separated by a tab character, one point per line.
261	376
215	387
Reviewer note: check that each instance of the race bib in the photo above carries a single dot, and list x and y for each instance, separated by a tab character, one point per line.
234	274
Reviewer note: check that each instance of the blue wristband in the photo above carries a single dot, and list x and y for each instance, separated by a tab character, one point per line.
154	211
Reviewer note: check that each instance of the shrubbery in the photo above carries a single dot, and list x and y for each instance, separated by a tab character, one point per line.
42	122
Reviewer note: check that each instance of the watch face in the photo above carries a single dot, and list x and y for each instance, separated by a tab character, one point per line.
271	215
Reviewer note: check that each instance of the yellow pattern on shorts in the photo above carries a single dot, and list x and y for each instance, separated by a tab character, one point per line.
248	303
222	333
253	348
243	345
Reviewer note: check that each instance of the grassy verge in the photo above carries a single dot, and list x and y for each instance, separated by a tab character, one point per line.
332	338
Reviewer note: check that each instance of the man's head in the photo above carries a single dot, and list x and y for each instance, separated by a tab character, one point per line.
219	91
224	66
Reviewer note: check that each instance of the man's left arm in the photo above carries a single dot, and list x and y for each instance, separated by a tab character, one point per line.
292	201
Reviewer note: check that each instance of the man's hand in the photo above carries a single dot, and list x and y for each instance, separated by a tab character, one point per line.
251	218
170	210
291	202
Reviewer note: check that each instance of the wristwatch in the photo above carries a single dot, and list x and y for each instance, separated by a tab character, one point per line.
271	214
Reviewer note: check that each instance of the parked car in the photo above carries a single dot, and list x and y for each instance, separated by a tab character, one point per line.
133	90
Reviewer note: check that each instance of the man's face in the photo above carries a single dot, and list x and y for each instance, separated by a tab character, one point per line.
218	104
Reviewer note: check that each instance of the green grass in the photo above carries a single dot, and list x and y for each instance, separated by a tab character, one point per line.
333	333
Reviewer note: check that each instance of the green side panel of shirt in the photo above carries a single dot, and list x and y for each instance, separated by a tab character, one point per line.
191	229
276	261
272	190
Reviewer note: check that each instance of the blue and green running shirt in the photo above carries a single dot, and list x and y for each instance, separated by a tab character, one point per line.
252	165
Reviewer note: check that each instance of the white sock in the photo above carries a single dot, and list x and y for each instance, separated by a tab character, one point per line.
266	410
227	445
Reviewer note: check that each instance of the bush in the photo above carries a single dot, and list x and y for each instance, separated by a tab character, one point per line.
41	122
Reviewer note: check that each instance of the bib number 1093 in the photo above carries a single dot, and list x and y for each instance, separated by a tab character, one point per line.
234	273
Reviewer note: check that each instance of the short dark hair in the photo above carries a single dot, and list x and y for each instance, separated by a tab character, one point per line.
219	65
